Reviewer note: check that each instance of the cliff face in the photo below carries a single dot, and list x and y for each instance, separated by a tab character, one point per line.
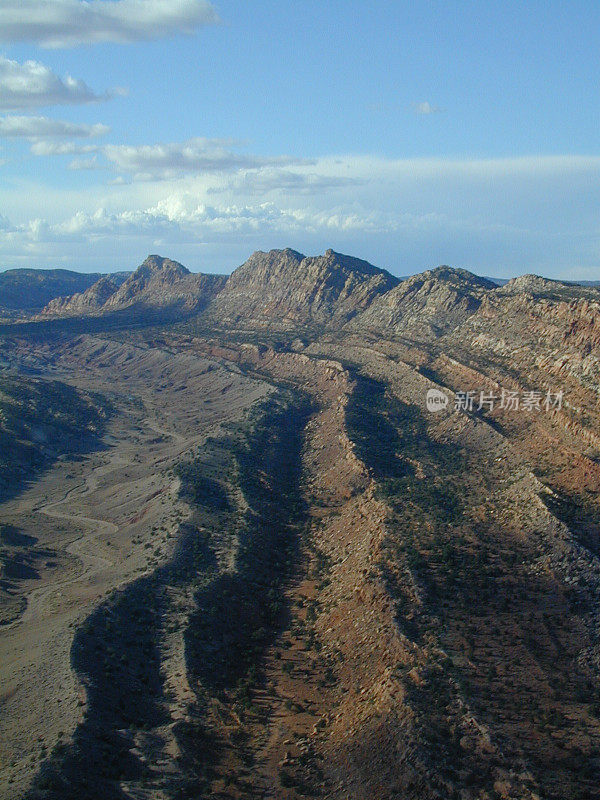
283	288
426	305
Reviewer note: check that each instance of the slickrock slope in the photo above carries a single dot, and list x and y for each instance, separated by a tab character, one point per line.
426	305
283	289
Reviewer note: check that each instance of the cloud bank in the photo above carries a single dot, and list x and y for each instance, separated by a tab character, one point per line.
177	159
495	216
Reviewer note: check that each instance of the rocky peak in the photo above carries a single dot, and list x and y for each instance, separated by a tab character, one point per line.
533	284
535	287
284	287
158	283
460	278
155	270
427	304
158	266
152	279
82	302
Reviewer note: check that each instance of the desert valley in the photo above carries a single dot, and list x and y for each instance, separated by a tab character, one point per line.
309	530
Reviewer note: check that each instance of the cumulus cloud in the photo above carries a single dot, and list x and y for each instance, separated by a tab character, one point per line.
493	216
181	218
33	85
42	127
426	108
176	159
68	23
185	211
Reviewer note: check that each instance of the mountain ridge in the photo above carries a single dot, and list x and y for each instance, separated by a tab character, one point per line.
285	289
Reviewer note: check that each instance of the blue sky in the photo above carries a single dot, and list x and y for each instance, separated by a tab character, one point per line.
410	134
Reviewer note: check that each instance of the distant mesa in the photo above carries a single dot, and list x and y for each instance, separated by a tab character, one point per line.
31	289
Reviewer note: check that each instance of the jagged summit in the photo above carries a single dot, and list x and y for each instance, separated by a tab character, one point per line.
341	261
284	287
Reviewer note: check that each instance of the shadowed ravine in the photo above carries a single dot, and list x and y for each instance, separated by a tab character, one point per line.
237	612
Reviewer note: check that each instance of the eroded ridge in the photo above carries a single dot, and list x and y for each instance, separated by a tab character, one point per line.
364	601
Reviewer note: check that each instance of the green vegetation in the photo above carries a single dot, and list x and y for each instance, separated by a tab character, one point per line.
391	437
240	612
199	489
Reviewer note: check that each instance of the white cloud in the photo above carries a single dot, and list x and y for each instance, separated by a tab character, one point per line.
42	127
494	216
49	148
33	85
176	159
179	218
426	108
84	163
67	23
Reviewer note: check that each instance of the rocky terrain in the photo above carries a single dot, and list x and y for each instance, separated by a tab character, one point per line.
426	305
92	299
267	570
157	283
284	289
